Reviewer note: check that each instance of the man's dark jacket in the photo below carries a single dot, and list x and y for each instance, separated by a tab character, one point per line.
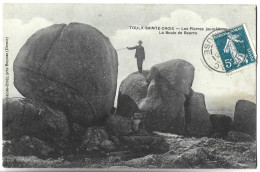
139	53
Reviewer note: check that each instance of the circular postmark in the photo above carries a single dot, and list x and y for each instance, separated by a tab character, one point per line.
211	55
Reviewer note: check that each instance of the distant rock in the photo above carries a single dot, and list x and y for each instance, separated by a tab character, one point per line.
234	136
160	95
197	117
221	124
24	117
118	125
69	67
245	117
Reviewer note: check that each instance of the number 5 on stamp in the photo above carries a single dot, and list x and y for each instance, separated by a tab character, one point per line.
235	48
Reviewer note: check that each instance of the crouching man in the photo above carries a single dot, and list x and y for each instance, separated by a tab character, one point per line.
137	120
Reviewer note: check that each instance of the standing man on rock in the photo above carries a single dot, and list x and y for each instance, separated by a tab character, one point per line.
139	55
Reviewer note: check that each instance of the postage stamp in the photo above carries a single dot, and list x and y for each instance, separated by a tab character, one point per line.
235	48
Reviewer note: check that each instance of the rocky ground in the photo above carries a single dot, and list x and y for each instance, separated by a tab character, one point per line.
184	152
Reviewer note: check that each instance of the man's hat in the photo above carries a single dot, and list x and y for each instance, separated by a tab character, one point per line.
140	41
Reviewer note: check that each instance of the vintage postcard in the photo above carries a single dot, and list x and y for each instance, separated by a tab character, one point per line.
129	86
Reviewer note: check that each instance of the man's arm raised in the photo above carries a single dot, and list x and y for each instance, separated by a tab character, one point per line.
131	48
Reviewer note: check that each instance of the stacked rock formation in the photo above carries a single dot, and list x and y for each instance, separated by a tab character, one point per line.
165	96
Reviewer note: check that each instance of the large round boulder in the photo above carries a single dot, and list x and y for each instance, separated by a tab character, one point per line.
160	95
70	67
245	117
24	117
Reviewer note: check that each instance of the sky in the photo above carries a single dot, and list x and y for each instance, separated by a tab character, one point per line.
221	91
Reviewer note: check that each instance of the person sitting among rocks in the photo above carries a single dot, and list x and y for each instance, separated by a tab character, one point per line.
137	121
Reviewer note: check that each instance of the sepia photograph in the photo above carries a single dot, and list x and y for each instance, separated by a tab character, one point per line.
129	86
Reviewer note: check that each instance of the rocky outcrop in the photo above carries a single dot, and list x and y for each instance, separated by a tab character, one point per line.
160	95
121	131
24	117
96	138
164	96
245	117
191	152
69	67
197	117
184	152
221	124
